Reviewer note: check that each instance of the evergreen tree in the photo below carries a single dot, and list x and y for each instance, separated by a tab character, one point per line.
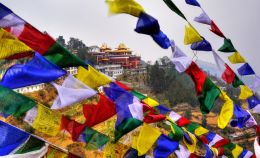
61	41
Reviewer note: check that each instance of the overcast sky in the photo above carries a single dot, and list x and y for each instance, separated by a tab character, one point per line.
88	20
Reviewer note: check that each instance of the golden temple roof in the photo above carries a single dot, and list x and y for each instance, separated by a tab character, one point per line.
104	46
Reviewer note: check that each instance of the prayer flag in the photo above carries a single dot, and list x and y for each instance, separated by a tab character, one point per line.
47	121
203	18
180	60
165	146
149	25
10	138
193	2
71	91
245	69
215	29
210	93
10	45
203	45
13	103
226	112
92	77
191	35
37	70
245	92
174	8
125	6
227	46
236	58
144	144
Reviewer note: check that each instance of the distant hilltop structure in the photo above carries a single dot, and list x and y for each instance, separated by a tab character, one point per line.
113	62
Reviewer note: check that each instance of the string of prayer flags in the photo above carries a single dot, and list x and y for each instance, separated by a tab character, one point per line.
191	35
245	69
203	45
203	18
245	92
13	103
7	18
148	25
11	138
198	77
71	91
210	93
182	152
10	45
227	47
60	56
94	140
179	59
47	121
92	77
193	2
215	29
236	58
165	146
144	144
125	6
37	70
254	104
100	112
174	8
226	112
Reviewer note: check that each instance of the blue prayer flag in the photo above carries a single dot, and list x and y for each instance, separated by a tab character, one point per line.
10	138
203	45
37	70
165	146
253	102
245	69
193	2
241	115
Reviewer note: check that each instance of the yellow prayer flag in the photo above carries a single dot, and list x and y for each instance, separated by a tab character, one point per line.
92	77
47	121
147	137
191	35
109	151
236	58
245	92
10	45
237	151
134	142
226	112
125	6
215	151
191	147
150	102
200	131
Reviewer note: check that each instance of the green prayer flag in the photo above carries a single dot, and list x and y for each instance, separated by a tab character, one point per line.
176	133
126	126
228	149
209	95
138	95
174	8
94	139
32	144
192	127
227	46
237	82
60	56
13	103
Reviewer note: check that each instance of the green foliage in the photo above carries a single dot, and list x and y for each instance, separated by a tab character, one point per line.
61	41
168	83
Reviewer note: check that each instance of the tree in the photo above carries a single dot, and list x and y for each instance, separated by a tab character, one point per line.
61	41
75	44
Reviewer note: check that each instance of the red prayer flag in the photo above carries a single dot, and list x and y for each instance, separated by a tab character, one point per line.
183	122
198	77
204	139
221	151
221	143
125	87
216	30
228	75
152	118
100	112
